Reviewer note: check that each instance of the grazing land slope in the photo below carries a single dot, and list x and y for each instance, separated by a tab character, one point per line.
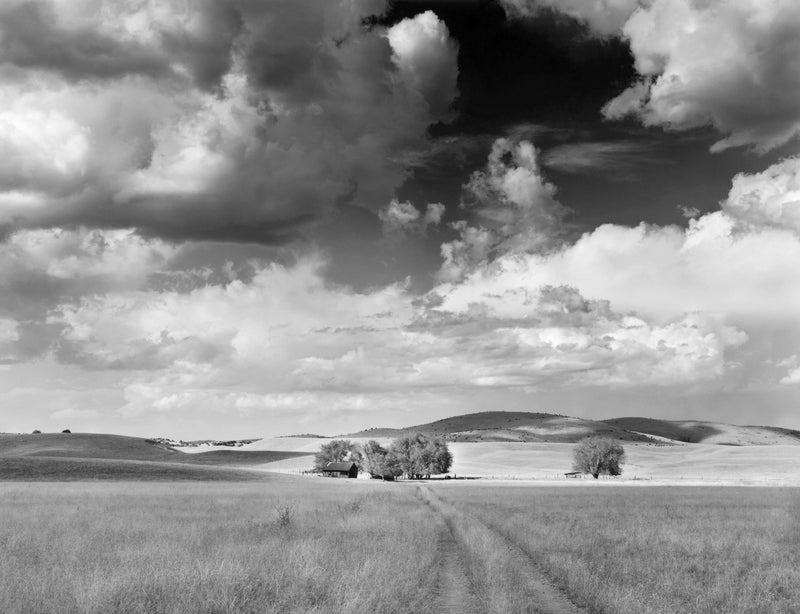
552	428
511	426
76	456
695	431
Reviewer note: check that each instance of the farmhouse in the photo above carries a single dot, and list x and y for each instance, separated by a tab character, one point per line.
340	470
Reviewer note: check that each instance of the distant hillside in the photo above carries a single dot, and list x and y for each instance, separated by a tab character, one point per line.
539	427
94	456
511	426
694	431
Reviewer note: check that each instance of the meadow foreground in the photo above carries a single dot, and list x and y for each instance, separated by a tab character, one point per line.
316	545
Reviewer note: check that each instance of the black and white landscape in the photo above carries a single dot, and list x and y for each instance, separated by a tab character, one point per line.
236	235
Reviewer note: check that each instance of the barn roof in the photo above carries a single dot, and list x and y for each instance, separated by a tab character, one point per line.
339	466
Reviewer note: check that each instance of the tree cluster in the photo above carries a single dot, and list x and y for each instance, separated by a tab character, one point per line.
596	455
416	456
337	451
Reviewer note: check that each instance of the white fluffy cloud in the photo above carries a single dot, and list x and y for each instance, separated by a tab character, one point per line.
714	305
402	217
729	64
425	56
768	199
225	120
286	333
736	269
514	210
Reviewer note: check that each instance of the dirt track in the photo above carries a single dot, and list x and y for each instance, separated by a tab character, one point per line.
455	589
455	593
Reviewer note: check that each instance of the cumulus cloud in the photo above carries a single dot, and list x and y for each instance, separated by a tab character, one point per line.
722	304
712	267
43	269
768	199
689	213
735	269
403	217
41	36
514	210
213	120
425	56
288	338
732	65
722	63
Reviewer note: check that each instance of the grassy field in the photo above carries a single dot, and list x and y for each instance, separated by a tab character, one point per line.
648	550
291	544
212	548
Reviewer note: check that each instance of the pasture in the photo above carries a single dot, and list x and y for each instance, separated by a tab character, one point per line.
291	544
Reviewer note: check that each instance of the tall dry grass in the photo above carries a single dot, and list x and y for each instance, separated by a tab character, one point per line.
649	550
284	546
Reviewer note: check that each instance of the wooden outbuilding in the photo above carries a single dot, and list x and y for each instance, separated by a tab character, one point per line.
340	470
573	474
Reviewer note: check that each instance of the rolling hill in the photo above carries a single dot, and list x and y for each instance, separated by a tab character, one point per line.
75	456
511	427
551	428
694	431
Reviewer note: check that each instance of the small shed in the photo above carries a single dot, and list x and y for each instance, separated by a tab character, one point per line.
340	470
573	474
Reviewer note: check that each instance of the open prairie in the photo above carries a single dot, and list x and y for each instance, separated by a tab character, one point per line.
295	544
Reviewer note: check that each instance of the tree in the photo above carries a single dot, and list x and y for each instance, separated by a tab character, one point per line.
419	456
598	455
337	451
378	461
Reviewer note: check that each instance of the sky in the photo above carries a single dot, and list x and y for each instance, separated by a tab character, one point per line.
247	218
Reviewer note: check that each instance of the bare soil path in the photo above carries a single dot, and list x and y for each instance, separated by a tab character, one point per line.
542	596
454	591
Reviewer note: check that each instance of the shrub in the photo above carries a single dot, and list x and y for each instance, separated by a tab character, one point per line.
283	516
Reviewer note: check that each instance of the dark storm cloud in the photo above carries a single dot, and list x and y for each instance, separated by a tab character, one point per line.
207	49
30	37
292	108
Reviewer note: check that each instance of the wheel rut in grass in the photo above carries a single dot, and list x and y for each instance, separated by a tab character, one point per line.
454	591
543	596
